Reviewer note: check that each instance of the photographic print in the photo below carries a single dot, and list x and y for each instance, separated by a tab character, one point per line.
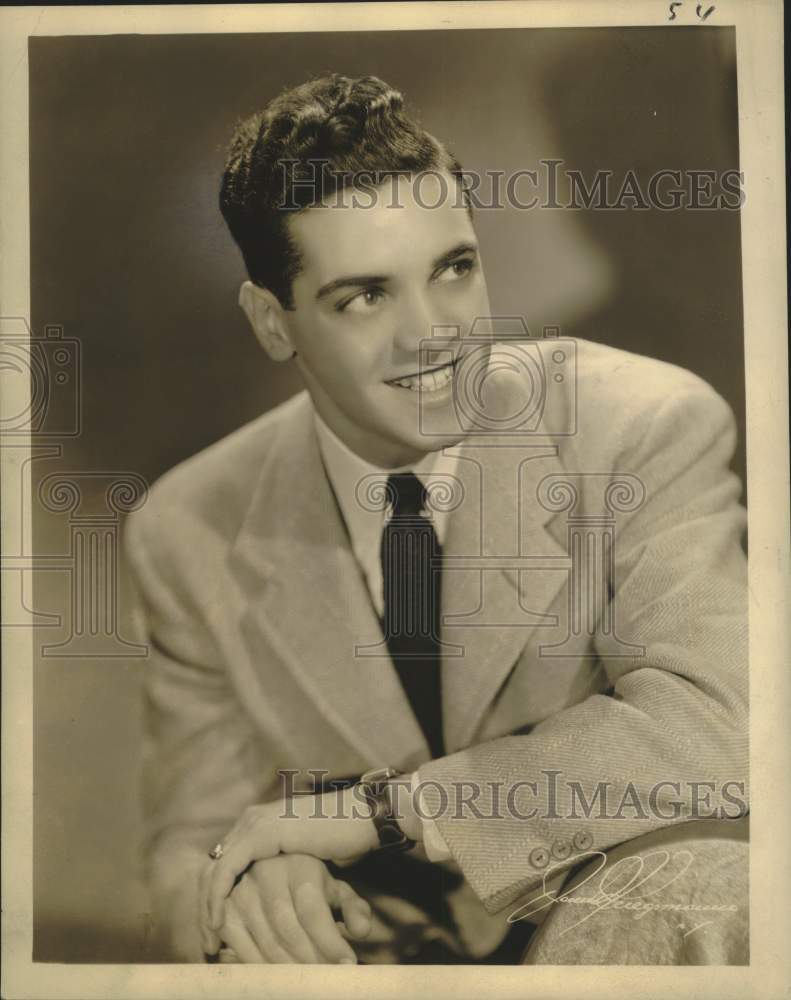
387	390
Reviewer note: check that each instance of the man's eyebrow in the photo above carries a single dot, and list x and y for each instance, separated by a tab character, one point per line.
352	281
366	280
453	254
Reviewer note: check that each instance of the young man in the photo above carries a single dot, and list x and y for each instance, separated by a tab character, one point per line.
508	572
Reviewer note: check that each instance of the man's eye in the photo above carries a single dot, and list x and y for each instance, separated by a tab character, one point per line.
457	269
362	301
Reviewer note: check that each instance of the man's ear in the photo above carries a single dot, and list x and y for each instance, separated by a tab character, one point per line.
266	318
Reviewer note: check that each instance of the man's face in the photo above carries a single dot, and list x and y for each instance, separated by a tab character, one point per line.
374	282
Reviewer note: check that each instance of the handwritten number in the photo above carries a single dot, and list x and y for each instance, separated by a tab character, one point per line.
702	15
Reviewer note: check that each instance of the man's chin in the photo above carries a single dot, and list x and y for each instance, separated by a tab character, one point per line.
422	444
436	442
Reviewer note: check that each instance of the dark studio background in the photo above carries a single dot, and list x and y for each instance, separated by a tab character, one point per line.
130	255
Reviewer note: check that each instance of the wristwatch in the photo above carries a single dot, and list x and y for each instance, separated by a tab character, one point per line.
374	788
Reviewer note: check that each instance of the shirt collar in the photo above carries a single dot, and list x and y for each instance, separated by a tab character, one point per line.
364	508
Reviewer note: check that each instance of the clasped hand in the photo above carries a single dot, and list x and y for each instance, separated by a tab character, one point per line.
292	909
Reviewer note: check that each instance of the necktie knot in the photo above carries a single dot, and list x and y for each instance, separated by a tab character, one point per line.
407	494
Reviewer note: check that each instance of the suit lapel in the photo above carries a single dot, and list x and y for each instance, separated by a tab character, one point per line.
485	594
305	586
295	562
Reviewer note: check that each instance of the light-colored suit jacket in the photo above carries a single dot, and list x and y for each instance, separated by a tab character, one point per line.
596	632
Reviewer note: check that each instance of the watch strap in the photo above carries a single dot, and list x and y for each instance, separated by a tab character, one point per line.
374	789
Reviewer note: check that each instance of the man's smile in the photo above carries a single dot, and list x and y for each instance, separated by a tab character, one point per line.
431	380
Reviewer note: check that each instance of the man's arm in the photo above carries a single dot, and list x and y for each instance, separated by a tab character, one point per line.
676	714
675	722
203	763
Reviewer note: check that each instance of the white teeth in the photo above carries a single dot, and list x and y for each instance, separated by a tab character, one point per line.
428	381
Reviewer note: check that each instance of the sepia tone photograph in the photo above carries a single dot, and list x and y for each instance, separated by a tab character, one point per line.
384	492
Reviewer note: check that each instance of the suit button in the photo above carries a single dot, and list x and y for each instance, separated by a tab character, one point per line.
561	849
582	840
539	857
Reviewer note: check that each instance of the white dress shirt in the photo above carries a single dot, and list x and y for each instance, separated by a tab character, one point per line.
363	506
359	488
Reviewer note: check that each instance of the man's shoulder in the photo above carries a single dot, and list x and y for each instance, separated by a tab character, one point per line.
598	388
620	393
609	376
216	484
613	405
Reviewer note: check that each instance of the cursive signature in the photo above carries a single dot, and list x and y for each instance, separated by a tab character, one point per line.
622	887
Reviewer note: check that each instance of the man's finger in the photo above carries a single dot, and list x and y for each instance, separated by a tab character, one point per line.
266	940
223	874
314	914
356	911
239	851
220	884
210	940
237	937
292	934
273	900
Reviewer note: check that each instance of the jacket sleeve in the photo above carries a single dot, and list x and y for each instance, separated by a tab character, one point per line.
202	762
673	718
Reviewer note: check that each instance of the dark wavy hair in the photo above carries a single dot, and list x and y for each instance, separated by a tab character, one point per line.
308	142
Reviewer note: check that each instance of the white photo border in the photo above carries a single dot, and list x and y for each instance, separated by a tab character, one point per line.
759	35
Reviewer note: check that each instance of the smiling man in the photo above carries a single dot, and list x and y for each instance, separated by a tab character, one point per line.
370	596
373	283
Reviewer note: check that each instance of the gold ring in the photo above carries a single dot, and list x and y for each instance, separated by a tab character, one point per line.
216	852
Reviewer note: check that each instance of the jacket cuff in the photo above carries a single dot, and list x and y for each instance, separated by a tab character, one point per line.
433	842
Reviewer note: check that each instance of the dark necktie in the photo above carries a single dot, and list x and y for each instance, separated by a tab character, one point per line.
411	558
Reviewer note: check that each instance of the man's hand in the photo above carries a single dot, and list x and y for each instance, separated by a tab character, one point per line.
334	826
281	911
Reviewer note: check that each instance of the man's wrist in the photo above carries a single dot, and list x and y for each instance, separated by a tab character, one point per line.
362	812
402	806
326	828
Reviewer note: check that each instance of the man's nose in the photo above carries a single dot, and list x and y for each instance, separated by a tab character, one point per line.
415	322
